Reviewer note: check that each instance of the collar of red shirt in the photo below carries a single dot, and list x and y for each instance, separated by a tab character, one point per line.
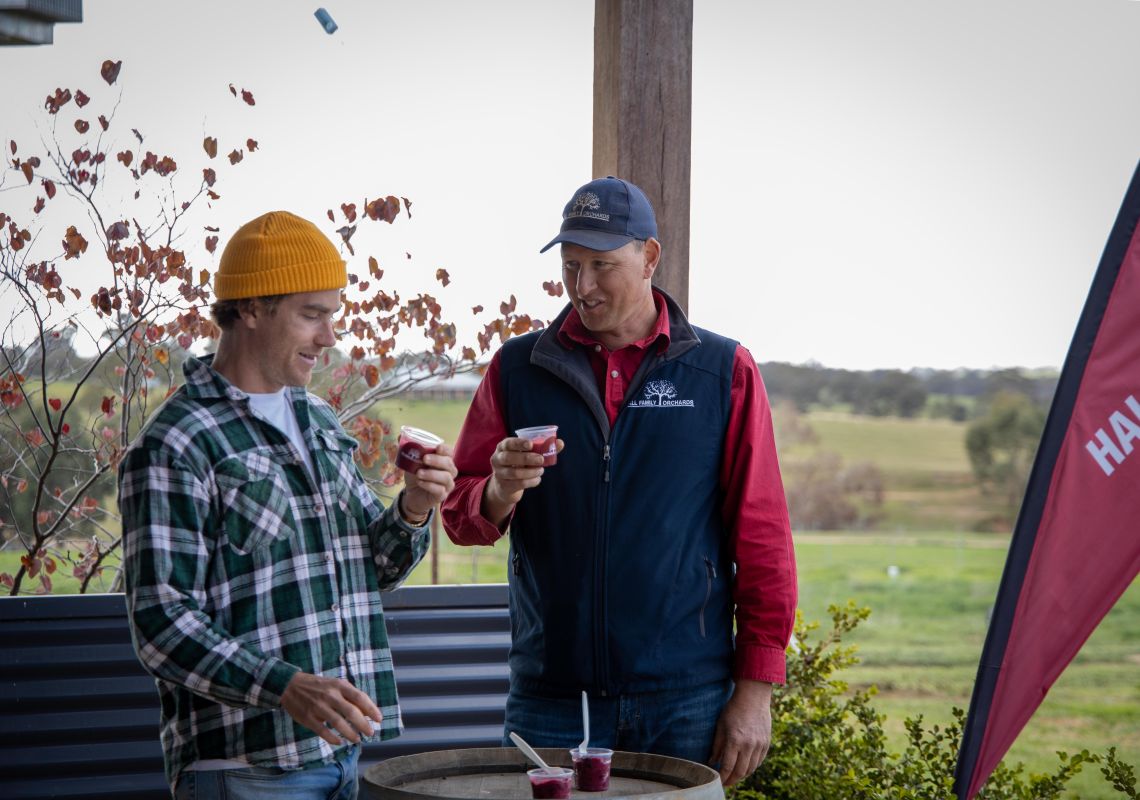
573	331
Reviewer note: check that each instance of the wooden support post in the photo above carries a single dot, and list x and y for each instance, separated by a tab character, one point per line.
643	74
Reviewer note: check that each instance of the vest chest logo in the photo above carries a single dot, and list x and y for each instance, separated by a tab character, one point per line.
660	394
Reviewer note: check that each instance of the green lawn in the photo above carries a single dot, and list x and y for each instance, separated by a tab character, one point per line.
922	643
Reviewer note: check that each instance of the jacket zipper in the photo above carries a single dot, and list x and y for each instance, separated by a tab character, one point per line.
710	576
602	652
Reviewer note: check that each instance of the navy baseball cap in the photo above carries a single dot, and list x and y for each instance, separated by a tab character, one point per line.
606	214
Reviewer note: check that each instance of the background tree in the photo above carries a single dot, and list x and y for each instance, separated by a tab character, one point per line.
1002	443
101	266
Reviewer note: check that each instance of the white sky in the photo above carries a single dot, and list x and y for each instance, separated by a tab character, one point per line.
876	183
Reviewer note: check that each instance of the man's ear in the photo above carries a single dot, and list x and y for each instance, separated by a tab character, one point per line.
652	254
250	310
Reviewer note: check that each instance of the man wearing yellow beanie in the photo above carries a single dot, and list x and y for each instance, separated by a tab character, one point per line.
254	551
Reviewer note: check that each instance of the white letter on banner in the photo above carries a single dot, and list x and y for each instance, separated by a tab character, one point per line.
1132	404
1109	448
1125	429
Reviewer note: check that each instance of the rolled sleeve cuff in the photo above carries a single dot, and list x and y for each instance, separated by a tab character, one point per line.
760	663
403	526
267	693
486	530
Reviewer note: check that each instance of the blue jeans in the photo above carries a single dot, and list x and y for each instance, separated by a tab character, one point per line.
673	722
336	781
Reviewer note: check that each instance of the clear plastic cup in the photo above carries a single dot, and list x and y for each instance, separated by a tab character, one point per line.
544	440
555	783
592	768
414	445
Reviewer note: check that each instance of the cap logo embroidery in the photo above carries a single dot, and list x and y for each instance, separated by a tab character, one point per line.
587	204
661	394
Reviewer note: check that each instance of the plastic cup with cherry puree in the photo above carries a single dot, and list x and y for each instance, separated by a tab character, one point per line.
414	445
544	441
555	783
592	768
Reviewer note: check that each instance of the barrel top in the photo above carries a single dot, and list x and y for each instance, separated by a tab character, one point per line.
500	772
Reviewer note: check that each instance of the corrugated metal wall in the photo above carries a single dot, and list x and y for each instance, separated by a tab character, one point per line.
79	716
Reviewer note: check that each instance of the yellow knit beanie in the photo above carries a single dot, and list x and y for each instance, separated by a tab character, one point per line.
278	253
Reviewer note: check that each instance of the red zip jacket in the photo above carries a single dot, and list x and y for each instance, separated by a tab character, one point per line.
755	510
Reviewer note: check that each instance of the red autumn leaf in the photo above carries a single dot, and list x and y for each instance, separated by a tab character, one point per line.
89	503
81	99
101	300
22	486
75	292
138	135
118	230
210	145
233	91
331	217
55	403
126	157
247	96
209	193
374	268
349	211
371	375
554	289
442	276
386	208
108	405
58	100
204	274
110	70
209	176
476	309
49	188
468	354
82	125
66	429
236	156
26	168
508	308
73	243
12	144
103	122
79	156
211	245
251	144
39	206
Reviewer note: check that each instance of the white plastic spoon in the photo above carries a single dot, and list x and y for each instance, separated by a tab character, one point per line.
528	751
585	724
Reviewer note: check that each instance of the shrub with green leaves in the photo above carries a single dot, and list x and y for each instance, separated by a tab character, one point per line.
829	743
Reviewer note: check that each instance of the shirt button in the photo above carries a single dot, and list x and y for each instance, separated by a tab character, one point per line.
597	348
614	374
319	508
328	558
334	607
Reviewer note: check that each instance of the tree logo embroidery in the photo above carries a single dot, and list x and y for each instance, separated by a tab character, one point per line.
661	394
588	205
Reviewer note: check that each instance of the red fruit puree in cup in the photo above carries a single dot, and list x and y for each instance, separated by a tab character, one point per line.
548	448
550	787
593	772
414	445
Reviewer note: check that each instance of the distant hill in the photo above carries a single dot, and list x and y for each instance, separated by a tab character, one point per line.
951	394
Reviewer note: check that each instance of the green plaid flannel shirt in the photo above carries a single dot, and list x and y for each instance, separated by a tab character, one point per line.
241	572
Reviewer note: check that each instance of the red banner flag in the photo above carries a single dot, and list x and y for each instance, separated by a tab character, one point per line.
1076	545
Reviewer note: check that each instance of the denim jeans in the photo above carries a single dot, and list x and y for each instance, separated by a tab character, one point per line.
336	781
673	722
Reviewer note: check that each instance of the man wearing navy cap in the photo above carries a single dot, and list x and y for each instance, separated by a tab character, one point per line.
661	525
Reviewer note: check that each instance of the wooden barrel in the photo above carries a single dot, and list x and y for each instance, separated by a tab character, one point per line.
499	773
